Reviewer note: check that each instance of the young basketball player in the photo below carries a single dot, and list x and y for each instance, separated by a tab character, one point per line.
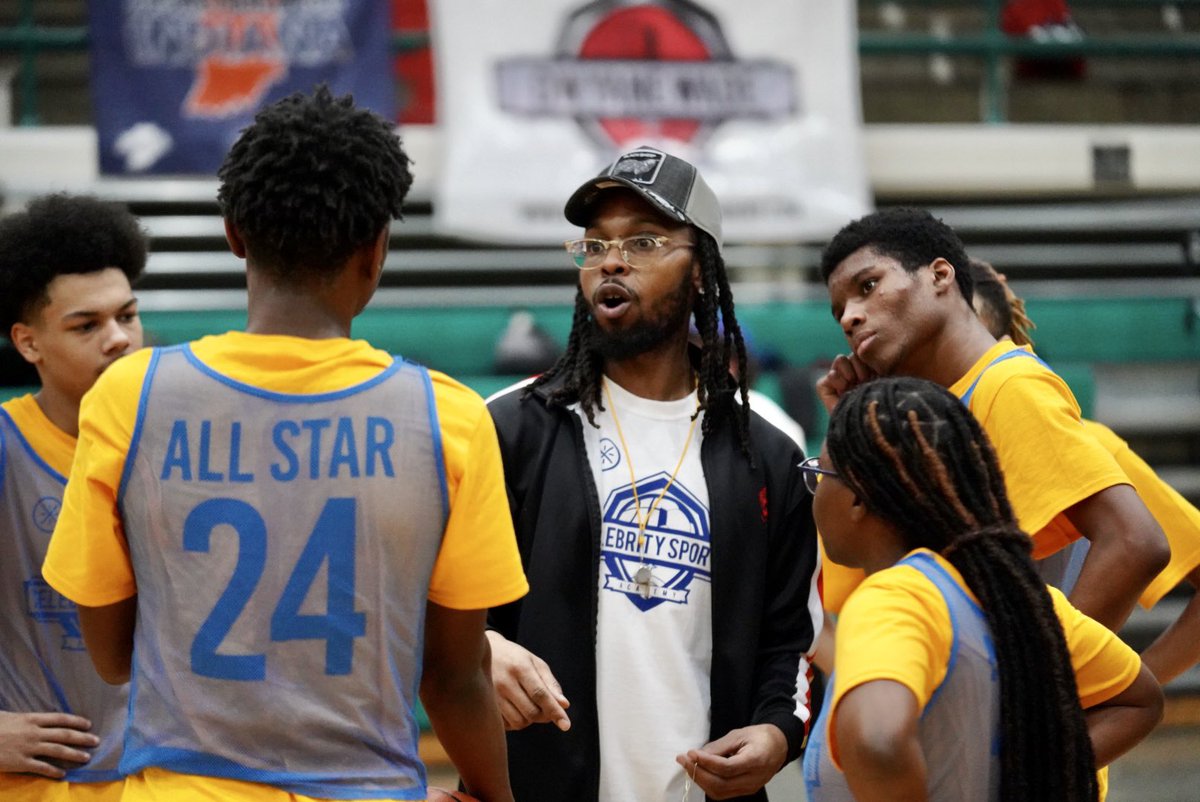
1178	648
66	266
901	291
959	675
281	534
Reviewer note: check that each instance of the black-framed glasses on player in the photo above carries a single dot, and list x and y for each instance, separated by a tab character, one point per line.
811	468
640	251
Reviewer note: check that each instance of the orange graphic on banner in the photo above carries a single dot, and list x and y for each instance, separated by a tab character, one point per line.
226	86
237	75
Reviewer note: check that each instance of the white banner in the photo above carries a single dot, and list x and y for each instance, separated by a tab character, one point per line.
536	96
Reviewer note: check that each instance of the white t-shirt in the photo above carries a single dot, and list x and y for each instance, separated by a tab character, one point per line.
654	640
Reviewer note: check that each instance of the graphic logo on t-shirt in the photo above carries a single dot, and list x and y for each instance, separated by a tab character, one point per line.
675	551
45	513
46	605
610	455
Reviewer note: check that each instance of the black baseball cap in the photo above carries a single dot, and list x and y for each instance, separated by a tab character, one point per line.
668	182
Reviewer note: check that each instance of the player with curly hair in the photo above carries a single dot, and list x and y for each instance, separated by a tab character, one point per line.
67	263
283	535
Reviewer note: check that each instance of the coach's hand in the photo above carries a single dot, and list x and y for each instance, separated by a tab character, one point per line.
739	763
846	373
28	740
526	689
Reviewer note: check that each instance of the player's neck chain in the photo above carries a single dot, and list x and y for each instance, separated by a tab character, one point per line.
644	577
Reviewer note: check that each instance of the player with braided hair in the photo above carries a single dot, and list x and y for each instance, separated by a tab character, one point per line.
669	546
1178	647
952	645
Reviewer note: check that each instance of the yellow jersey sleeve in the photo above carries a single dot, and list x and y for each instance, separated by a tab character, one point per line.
1050	462
896	626
1179	519
88	559
479	565
1104	666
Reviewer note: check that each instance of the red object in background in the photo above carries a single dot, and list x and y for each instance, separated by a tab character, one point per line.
414	69
1043	20
1019	16
644	32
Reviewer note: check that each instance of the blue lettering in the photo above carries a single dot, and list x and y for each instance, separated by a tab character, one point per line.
315	426
380	438
205	474
178	454
278	472
235	452
345	452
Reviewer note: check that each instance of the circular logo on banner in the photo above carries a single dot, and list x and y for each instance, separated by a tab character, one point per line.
649	33
632	73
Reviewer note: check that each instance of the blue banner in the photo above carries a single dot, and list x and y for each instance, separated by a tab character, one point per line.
175	81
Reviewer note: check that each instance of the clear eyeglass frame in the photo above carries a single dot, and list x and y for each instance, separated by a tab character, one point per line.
812	471
639	251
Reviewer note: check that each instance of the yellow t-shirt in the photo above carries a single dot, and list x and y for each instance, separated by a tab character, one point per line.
55	447
52	444
477	567
1050	461
1180	521
896	626
837	581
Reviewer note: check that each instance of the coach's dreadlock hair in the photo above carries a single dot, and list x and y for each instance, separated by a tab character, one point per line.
581	365
913	237
61	234
1002	312
312	180
919	460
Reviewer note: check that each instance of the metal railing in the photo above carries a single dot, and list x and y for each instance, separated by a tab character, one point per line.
990	44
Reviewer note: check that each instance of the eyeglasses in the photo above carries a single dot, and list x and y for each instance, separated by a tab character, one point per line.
640	251
811	468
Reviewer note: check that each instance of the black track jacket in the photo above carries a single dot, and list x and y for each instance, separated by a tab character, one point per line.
764	593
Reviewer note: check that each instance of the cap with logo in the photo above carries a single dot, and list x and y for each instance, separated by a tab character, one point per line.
668	182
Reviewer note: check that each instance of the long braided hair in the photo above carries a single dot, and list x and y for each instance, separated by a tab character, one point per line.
581	366
919	460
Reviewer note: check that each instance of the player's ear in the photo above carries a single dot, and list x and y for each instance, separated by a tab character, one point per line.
943	274
380	250
858	510
24	339
234	238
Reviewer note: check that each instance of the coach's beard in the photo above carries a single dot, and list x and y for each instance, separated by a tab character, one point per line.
648	333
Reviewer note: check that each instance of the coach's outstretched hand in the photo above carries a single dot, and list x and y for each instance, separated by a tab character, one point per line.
28	740
526	689
738	763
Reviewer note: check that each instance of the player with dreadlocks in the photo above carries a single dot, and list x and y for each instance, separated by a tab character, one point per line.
668	543
581	366
1177	648
952	645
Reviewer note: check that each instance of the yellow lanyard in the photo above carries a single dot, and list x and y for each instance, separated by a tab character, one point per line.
643	522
